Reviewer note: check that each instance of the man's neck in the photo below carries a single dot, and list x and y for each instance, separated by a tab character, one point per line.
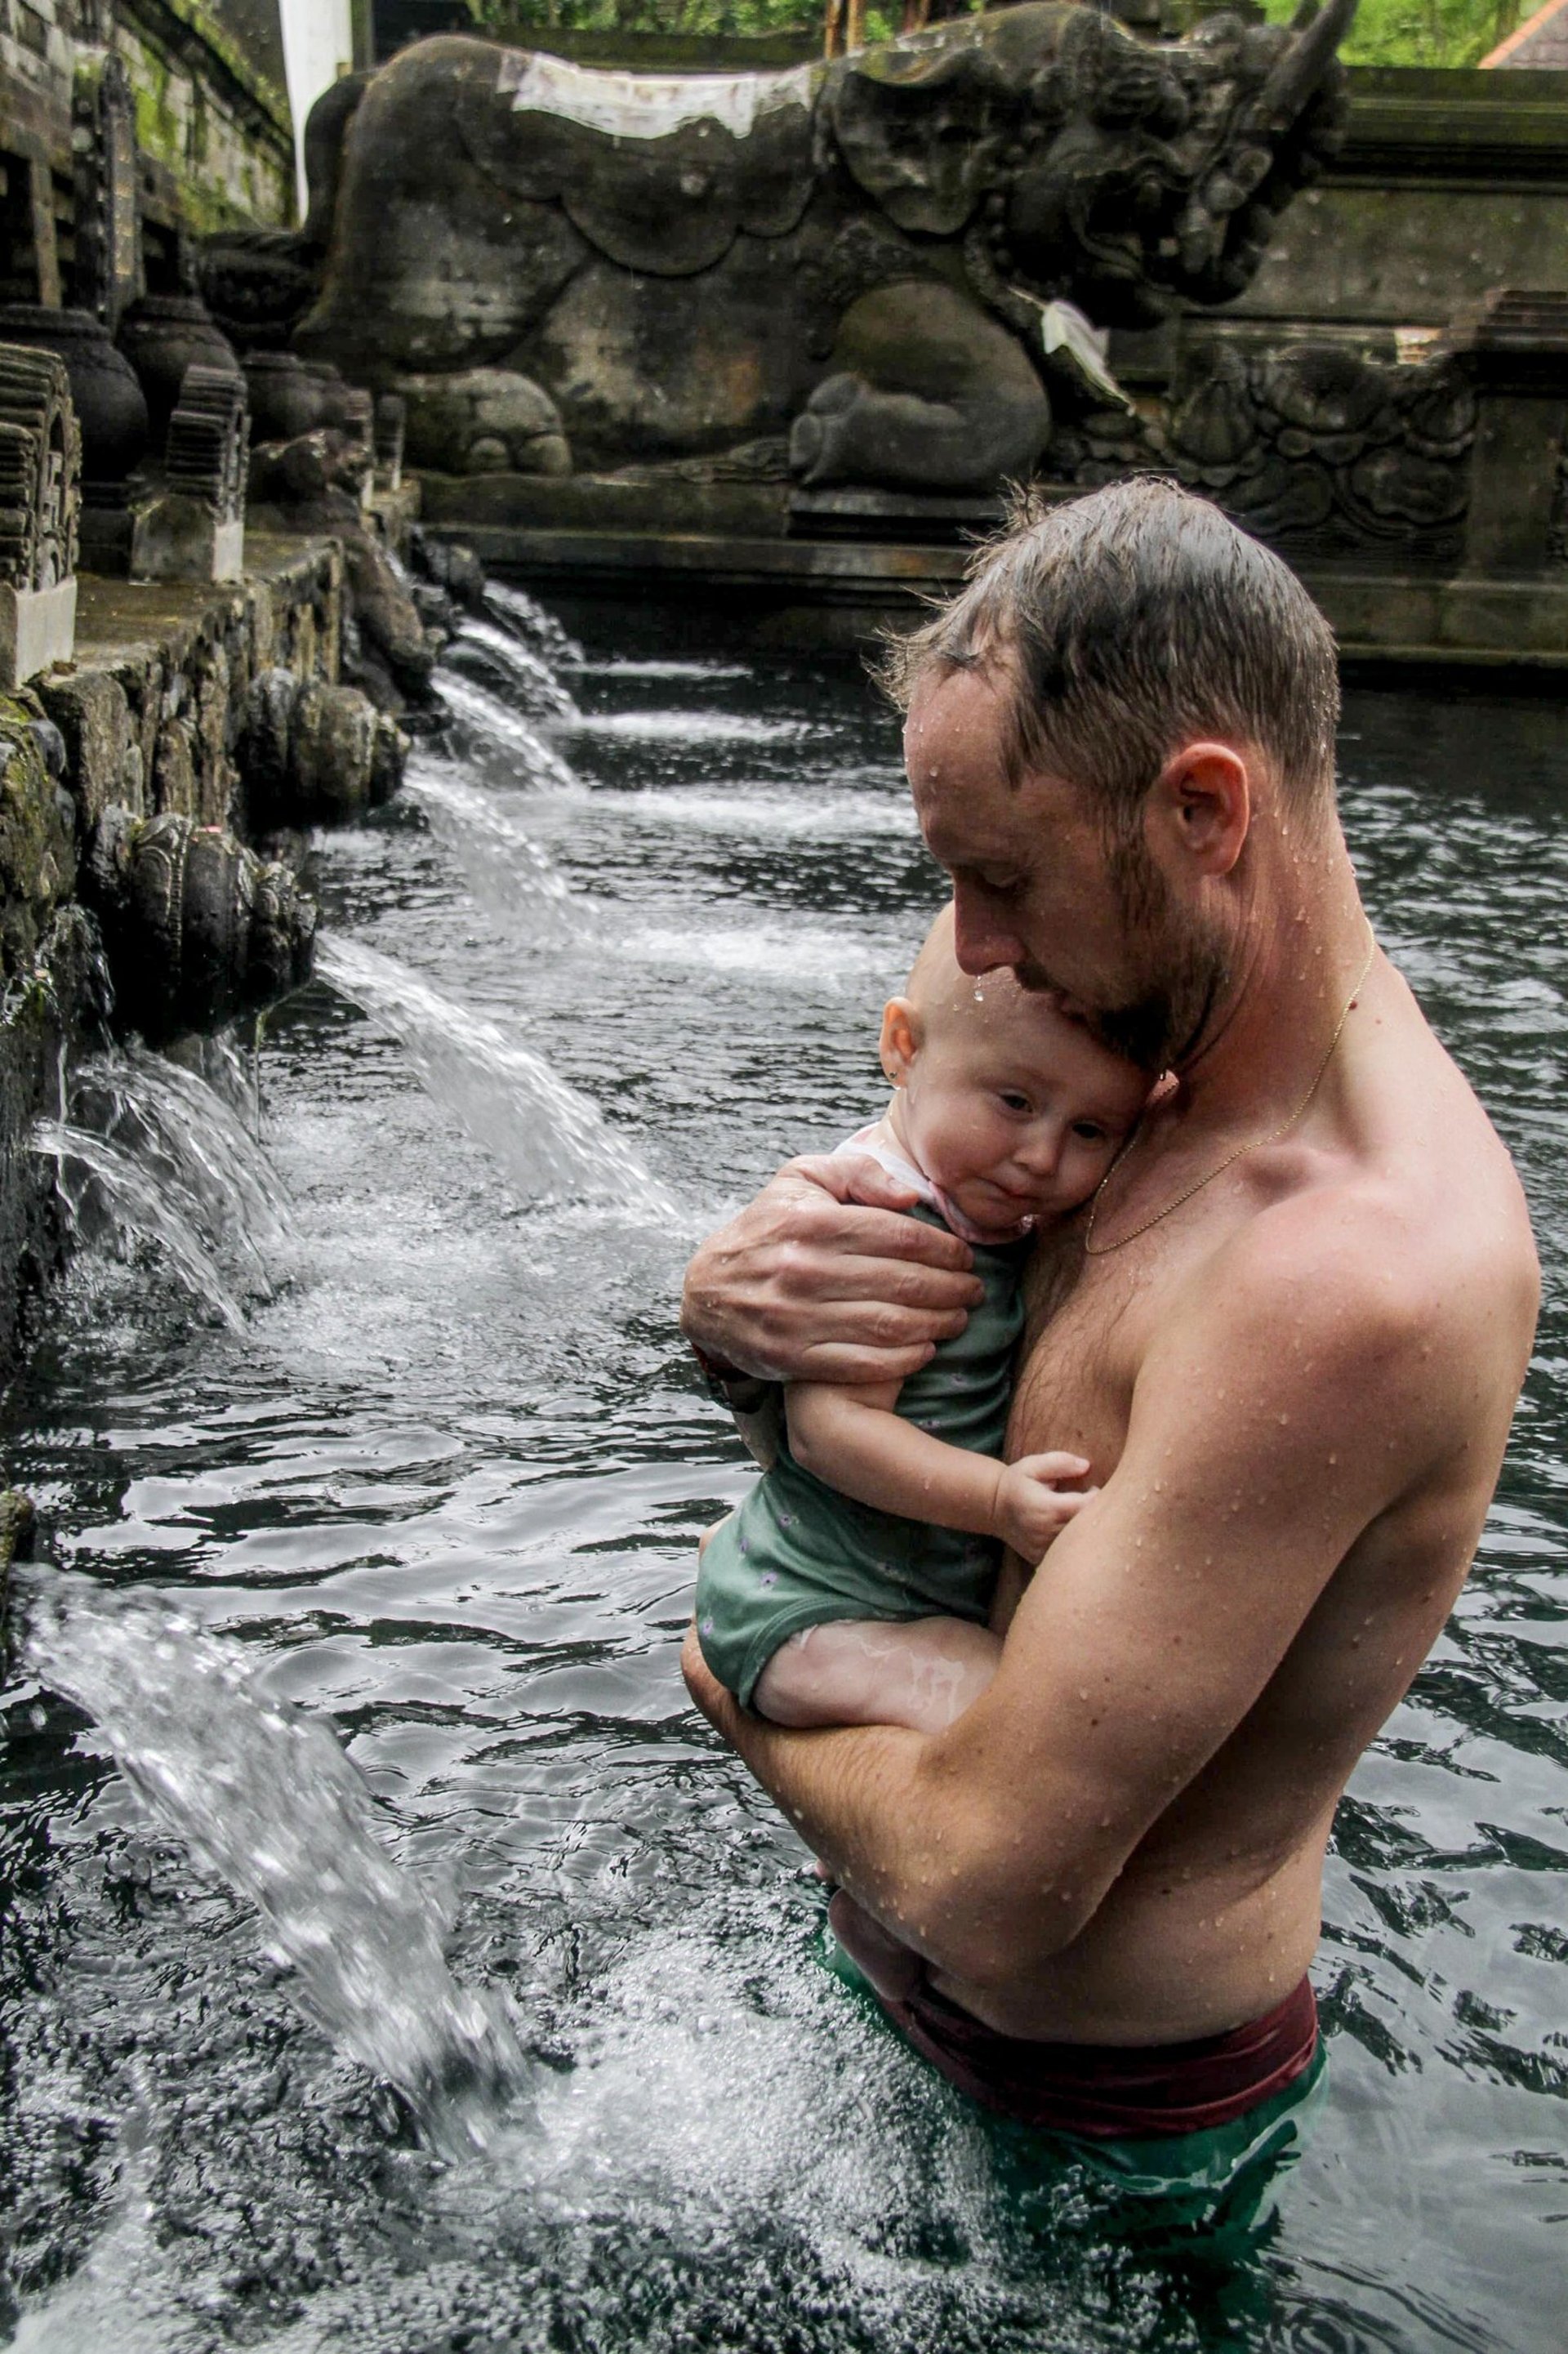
1302	946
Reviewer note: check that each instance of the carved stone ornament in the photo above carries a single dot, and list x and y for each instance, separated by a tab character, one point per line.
196	927
1317	449
667	266
196	530
40	469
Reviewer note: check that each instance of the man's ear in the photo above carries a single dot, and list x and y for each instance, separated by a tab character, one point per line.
1200	803
900	1039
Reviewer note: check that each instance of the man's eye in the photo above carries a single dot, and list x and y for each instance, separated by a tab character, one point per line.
1016	1102
1089	1130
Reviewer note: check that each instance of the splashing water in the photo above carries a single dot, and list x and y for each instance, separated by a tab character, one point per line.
500	739
525	619
150	1154
506	870
522	677
553	1142
263	1797
112	1201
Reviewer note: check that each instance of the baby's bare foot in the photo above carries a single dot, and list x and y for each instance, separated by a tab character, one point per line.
893	1970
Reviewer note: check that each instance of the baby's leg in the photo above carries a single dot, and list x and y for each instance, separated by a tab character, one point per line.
922	1674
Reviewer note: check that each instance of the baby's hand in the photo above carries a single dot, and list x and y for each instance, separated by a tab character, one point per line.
1030	1508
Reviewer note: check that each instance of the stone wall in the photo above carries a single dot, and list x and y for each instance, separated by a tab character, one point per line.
1448	185
147	726
214	132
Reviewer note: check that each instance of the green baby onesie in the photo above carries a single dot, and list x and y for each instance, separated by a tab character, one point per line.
797	1554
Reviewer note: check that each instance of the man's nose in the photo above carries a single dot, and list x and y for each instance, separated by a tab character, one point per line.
982	941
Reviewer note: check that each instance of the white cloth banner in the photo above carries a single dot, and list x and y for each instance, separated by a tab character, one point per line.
646	106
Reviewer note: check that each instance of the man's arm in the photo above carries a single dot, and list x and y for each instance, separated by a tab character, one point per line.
822	1277
1290	1398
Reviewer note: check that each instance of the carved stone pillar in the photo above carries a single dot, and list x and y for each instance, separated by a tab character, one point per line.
40	469
195	531
108	269
1515	352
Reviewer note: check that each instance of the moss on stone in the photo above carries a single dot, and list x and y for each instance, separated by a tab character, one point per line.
37	854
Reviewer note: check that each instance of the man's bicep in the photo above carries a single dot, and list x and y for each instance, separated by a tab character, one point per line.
1163	1610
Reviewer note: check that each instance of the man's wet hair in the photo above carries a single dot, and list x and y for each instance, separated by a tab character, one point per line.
1127	623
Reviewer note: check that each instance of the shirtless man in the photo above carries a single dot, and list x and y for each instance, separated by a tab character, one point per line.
1288	1335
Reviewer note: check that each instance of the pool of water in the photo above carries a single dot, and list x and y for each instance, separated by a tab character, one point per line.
438	1474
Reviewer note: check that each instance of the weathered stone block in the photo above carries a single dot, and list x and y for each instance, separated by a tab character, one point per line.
38	629
91	710
179	538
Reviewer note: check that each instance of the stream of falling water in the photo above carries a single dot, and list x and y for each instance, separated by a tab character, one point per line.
375	1469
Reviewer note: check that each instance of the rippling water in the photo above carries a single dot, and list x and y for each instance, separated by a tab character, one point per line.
444	1485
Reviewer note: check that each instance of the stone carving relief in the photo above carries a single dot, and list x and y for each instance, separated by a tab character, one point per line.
108	228
197	927
41	497
1318	449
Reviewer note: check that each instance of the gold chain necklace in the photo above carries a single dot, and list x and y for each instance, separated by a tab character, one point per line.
1254	1144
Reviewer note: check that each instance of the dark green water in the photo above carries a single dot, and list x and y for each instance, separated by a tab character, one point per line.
445	1485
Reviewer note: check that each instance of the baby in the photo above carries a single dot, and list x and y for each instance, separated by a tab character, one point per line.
854	1585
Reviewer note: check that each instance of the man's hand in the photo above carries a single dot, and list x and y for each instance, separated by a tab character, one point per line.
1032	1508
821	1280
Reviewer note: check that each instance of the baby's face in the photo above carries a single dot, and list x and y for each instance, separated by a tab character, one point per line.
1017	1119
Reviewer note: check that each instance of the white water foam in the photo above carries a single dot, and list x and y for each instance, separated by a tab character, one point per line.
694	727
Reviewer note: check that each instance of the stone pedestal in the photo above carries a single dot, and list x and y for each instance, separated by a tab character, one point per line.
38	629
181	538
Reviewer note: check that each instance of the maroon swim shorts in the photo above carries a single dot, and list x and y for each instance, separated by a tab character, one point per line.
1105	2091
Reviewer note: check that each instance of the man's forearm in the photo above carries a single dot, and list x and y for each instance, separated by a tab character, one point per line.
849	1794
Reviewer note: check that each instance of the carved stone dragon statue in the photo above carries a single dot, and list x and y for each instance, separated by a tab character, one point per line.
556	266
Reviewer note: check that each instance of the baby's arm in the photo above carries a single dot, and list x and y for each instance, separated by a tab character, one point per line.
850	1438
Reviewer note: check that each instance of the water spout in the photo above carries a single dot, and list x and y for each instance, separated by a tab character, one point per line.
506	868
553	1142
499	738
263	1797
523	678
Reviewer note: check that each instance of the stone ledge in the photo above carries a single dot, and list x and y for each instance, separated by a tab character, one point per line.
1392	617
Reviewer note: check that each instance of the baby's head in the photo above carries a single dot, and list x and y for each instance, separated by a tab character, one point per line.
1012	1110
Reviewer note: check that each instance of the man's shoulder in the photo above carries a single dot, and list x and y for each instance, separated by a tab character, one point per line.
1373	1275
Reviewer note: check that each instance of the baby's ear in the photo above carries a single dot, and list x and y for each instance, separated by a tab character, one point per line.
900	1039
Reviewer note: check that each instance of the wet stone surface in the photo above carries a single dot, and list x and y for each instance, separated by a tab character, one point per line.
435	1467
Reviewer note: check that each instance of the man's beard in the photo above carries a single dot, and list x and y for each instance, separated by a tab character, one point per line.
1186	966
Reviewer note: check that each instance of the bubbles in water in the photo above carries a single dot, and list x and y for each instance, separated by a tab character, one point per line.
553	1141
264	1797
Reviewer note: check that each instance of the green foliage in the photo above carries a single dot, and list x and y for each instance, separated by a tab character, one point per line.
729	18
1385	33
1423	32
